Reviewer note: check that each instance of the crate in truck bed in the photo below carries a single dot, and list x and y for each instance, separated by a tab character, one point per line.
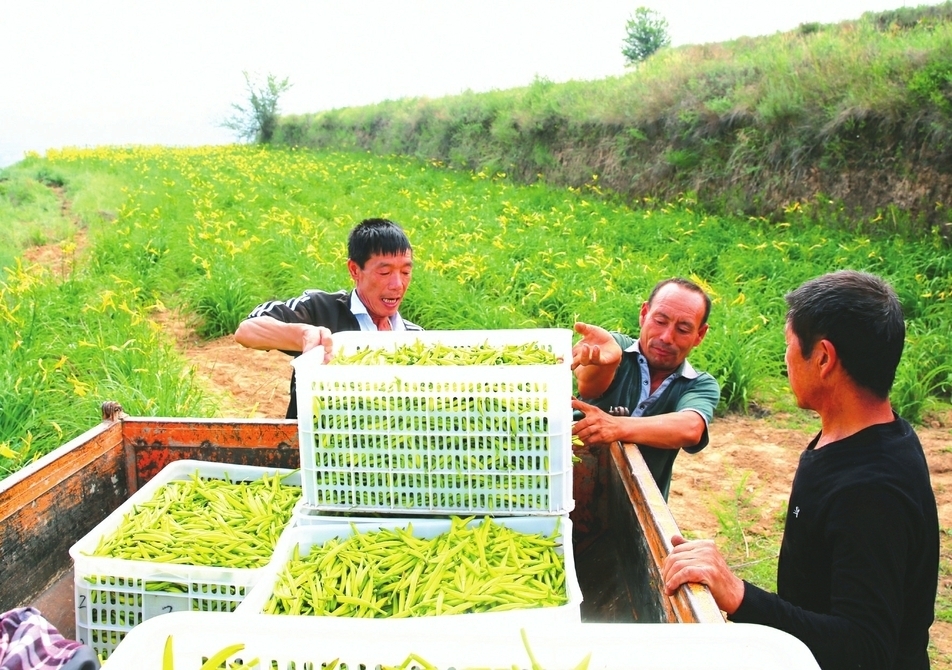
112	595
451	571
446	439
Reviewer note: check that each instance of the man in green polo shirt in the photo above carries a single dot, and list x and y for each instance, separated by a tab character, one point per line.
645	391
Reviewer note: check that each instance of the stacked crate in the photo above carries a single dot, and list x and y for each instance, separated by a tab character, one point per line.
437	439
387	446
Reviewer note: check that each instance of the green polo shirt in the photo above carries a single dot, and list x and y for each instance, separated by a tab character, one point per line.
684	389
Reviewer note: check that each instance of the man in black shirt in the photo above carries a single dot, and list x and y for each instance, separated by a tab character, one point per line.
380	261
858	568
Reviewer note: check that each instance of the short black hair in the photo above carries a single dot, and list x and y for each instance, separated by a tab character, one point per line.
376	236
861	316
689	285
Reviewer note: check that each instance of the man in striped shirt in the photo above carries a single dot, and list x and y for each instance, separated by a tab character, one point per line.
380	262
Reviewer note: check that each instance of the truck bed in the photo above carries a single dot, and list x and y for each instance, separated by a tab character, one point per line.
48	506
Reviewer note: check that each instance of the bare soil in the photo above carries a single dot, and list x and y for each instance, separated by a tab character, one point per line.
255	384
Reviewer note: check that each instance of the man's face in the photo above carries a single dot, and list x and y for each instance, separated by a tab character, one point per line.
671	327
382	282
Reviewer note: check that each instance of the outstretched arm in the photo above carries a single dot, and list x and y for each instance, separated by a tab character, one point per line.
265	332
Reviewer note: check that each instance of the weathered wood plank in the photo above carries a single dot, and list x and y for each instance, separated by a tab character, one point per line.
51	504
645	543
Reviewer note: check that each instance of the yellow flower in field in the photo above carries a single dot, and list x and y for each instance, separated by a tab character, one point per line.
107	301
704	285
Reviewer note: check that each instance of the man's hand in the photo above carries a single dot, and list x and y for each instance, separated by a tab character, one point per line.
700	562
595	358
317	336
596	427
266	333
597	347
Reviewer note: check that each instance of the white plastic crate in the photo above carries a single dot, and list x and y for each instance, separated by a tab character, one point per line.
113	595
283	643
307	536
308	516
460	439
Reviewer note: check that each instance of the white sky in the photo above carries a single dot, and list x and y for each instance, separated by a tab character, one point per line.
93	72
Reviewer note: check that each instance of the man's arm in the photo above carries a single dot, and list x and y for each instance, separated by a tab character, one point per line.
871	533
674	430
685	427
265	332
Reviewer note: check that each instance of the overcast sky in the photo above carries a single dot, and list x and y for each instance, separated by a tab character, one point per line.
92	72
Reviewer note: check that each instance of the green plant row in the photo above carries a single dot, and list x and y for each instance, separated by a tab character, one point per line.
69	345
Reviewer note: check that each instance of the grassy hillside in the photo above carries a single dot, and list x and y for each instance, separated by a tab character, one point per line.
849	123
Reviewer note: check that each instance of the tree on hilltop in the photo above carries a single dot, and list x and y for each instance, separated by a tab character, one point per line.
257	120
645	32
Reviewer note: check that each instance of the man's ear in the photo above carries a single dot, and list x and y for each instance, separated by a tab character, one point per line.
643	314
701	332
825	356
353	269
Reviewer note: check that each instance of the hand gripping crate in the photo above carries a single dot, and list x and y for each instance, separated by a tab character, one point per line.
112	595
306	538
284	643
431	439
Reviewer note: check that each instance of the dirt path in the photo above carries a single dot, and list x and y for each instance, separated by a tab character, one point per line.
249	383
255	384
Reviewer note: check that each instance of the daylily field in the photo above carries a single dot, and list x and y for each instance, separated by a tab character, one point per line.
213	231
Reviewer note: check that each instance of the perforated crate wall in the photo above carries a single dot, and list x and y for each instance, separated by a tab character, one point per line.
443	439
108	605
